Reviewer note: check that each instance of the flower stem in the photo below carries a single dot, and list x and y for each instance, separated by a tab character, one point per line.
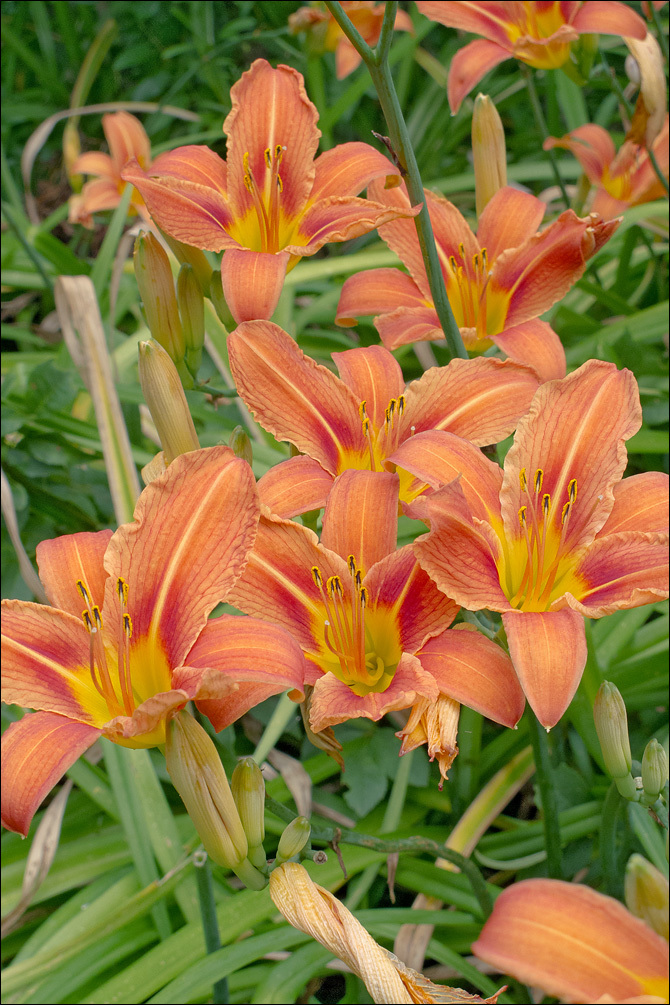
612	807
543	769
657	168
210	924
377	64
541	124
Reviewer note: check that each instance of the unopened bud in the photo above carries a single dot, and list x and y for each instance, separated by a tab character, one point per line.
646	893
248	788
488	151
197	259
156	286
609	713
164	395
240	444
192	314
219	301
293	840
654	770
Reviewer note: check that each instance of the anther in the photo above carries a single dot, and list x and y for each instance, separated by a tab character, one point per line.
334	586
539	478
363	596
361	410
523	480
565	512
452	263
268	157
85	595
97	617
351	562
546	503
522	516
572	490
401	404
127	625
461	251
316	576
87	620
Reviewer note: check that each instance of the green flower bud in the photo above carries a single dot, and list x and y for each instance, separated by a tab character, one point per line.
186	254
646	893
294	839
240	444
609	713
156	286
654	770
192	314
248	788
164	395
219	301
488	151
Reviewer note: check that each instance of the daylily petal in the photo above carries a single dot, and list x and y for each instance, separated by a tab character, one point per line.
96	197
293	397
146	726
640	503
64	560
341	218
573	942
509	217
346	59
45	662
408	324
252	282
348	168
295	486
36	753
608	18
548	650
374	375
181	564
95	162
536	343
469	65
575	429
591	145
193	163
361	517
476	672
621	571
334	702
376	292
127	138
481	400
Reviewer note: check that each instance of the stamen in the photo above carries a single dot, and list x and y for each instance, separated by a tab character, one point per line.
572	490
368	436
539	478
361	410
523	480
85	595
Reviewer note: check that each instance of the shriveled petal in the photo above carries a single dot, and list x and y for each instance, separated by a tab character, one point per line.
293	397
373	375
406	325
341	218
348	168
270	109
193	528
377	291
548	649
573	942
252	282
622	570
575	429
64	560
36	753
640	503
295	486
361	516
127	138
469	65
333	701
146	726
476	672
608	18
45	662
508	220
536	343
194	163
481	399
591	145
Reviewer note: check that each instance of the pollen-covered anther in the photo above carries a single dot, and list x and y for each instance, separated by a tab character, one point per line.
523	481
316	576
127	626
539	478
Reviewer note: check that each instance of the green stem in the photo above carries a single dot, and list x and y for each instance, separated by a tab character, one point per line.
210	925
612	807
396	802
541	123
660	33
377	64
657	168
543	769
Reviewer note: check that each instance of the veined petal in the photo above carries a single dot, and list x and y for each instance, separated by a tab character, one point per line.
193	163
377	291
333	701
295	486
536	343
146	726
64	560
469	65
341	218
575	430
400	234
591	145
252	282
491	20
193	528
270	109
481	399
127	138
573	942
622	570
95	162
36	753
361	516
293	397
508	220
476	672
406	325
640	503
374	376
46	662
348	168
608	18
548	649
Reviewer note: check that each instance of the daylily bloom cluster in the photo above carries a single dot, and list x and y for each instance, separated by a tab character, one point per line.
270	202
498	282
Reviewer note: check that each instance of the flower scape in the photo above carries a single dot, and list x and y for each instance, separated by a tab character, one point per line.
334	420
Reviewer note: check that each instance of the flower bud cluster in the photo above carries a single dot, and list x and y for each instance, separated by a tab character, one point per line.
611	721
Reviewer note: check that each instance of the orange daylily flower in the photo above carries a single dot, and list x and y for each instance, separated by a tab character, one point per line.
372	625
270	202
498	282
575	944
361	419
537	32
622	179
143	646
127	140
556	535
366	17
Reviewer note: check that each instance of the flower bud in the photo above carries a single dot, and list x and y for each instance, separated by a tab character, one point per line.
240	444
192	314
294	839
646	894
654	770
488	151
156	286
197	259
609	713
164	394
248	788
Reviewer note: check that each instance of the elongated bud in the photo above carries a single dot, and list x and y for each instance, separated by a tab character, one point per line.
646	893
240	444
488	151
156	286
654	770
164	394
219	301
192	314
294	839
609	713
194	257
248	787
